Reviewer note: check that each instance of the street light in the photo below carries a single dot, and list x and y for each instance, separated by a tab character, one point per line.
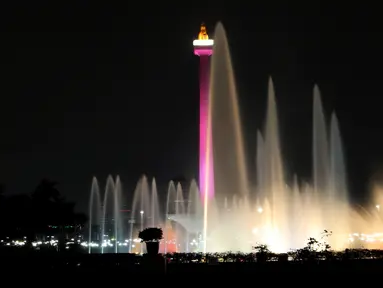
378	207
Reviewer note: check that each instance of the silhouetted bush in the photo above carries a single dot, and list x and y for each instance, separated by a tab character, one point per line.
151	234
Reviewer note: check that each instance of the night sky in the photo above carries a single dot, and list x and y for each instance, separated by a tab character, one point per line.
86	93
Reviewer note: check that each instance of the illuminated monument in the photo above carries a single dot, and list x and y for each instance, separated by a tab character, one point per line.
203	47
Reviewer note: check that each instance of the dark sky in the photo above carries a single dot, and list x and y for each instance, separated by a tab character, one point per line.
88	93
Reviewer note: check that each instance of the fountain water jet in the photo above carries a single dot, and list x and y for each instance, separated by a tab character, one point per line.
109	190
338	192
155	208
274	178
99	211
118	225
170	197
230	174
145	207
94	204
320	145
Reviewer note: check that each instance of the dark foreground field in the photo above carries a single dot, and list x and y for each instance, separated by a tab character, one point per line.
97	267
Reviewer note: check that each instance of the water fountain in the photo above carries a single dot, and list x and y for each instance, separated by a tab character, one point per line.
186	212
145	207
278	213
105	216
101	212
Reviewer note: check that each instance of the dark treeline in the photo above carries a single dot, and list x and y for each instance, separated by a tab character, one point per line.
43	212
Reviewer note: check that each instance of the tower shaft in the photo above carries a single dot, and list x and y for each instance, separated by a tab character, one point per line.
206	171
203	47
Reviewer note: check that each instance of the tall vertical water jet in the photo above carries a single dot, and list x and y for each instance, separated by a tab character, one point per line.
141	206
273	174
155	207
141	201
338	181
171	197
94	210
132	220
320	166
179	210
320	146
109	190
169	209
180	204
338	192
259	166
194	208
230	174
118	226
194	211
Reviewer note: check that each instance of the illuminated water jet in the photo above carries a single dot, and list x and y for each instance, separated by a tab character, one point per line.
99	213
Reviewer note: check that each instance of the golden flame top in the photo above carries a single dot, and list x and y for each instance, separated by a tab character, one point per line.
202	33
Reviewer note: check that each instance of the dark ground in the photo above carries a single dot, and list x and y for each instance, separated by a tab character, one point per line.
94	267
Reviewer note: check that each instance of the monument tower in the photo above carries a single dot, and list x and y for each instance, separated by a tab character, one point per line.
203	47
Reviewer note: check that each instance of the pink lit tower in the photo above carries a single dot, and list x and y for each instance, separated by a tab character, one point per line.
203	47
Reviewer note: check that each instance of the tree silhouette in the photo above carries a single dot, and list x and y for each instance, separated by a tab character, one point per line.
53	212
2	197
2	191
44	212
15	214
47	191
